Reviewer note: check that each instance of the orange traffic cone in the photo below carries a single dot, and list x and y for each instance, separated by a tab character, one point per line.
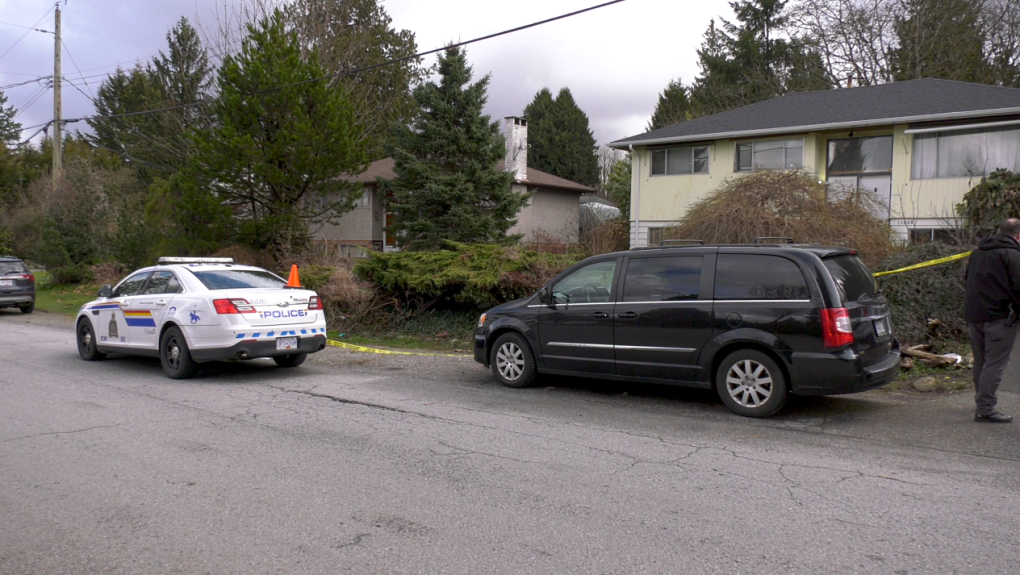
293	280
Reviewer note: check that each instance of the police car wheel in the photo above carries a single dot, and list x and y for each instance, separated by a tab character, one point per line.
87	342
175	356
292	360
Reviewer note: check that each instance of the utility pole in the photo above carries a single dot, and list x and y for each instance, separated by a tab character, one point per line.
58	137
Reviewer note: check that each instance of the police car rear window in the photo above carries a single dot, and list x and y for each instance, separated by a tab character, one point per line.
852	278
239	279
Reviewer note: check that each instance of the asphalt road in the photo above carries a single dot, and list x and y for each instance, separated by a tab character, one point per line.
357	463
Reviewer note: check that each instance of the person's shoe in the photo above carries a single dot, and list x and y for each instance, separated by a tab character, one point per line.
994	417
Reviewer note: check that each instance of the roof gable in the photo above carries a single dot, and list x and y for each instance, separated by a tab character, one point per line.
915	100
384	169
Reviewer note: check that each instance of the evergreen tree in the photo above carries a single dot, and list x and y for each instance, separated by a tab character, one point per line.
939	39
10	131
280	144
673	107
447	187
156	143
751	61
559	139
618	186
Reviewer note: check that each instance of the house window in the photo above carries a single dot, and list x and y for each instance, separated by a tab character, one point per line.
770	155
860	156
965	153
677	161
363	201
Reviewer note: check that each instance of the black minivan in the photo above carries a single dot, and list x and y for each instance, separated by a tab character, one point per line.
756	322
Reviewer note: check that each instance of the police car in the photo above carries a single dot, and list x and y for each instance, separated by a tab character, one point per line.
188	311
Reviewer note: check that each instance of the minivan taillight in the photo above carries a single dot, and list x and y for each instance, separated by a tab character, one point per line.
29	277
231	306
837	330
314	303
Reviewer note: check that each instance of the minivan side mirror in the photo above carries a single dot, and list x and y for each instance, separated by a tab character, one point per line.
106	291
544	296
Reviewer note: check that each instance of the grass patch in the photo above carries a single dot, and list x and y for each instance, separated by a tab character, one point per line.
65	300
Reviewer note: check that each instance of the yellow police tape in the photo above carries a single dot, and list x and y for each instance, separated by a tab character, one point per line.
944	260
353	347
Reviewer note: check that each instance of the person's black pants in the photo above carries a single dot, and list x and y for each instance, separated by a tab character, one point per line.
991	342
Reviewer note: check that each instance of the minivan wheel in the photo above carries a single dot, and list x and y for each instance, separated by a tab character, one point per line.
87	342
513	364
28	308
751	384
175	356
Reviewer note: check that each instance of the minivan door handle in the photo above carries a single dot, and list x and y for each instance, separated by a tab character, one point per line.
627	315
599	315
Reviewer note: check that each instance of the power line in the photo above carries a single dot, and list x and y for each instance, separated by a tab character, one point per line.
359	70
25	83
27	33
26	27
68	50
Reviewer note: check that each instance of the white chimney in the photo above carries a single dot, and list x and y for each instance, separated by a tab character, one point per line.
516	132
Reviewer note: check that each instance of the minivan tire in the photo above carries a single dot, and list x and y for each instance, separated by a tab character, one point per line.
751	384
28	308
513	362
174	355
87	342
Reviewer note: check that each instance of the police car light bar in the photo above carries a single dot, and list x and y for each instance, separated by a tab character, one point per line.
178	260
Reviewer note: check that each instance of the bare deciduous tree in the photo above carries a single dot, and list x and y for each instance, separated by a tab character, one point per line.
853	37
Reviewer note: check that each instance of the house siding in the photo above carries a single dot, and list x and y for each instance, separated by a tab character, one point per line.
914	203
550	214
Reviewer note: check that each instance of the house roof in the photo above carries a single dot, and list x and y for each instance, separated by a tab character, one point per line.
900	102
384	169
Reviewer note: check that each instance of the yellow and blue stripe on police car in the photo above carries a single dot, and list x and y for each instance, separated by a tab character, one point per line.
257	334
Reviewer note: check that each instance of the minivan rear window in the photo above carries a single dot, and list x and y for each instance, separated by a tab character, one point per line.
852	278
239	279
12	268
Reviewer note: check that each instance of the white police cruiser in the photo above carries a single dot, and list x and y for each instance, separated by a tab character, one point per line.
188	311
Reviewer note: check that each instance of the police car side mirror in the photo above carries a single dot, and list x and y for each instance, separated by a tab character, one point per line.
106	291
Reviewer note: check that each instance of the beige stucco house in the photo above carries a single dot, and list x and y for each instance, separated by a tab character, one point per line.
921	145
550	217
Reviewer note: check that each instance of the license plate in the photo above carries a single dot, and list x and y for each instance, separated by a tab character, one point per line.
880	328
286	343
6	282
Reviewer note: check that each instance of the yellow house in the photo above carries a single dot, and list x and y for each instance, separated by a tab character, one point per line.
920	145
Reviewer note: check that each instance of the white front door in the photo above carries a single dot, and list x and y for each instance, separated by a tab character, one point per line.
882	186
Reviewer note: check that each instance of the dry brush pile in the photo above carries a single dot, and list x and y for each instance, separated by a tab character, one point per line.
793	205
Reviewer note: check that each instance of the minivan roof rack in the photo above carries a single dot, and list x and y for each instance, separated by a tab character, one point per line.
682	243
772	240
187	260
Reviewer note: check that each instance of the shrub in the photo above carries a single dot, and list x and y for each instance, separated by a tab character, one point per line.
770	203
71	274
477	275
993	200
926	304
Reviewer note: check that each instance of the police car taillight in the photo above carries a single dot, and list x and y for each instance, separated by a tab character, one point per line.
837	330
230	306
314	303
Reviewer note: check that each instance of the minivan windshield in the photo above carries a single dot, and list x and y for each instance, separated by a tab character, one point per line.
239	279
852	278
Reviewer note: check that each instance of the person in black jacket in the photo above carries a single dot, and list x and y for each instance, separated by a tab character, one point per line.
992	300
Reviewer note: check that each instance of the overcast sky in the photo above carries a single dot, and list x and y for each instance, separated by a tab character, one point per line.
615	60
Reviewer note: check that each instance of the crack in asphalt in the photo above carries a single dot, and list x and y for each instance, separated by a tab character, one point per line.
60	432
